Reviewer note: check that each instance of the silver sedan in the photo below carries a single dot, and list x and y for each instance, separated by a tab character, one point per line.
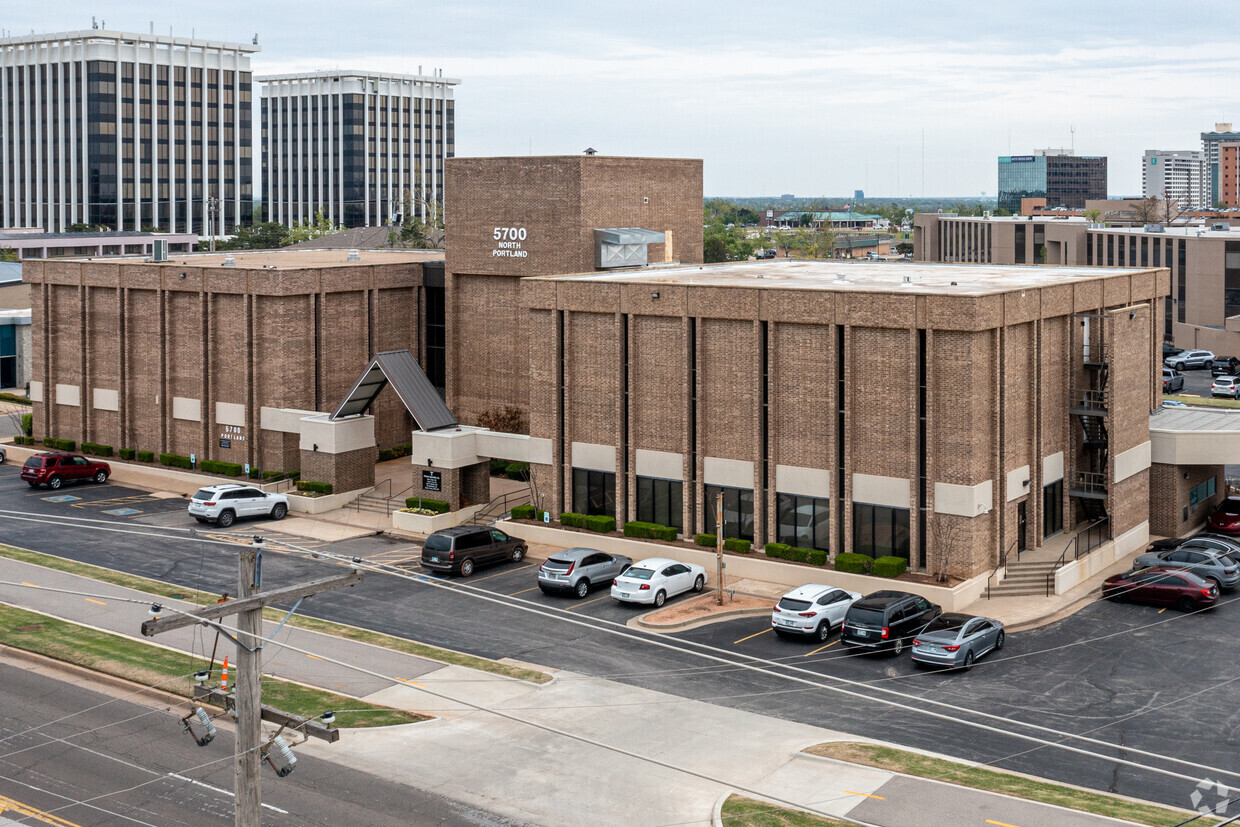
956	640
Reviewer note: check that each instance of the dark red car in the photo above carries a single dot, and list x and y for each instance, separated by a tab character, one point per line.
1162	586
1225	519
54	470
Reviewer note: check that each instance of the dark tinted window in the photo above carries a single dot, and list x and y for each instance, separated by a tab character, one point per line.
553	564
1230	506
871	617
791	605
945	623
438	542
34	462
203	494
475	540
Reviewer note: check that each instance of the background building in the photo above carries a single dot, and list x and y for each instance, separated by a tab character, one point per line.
125	131
1211	145
365	148
1183	176
1063	179
1229	175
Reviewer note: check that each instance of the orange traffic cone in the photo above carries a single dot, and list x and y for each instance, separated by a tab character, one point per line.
224	675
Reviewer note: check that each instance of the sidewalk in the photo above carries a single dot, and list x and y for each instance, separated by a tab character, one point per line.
534	775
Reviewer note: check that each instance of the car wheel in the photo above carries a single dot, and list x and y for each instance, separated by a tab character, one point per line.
781	634
1187	604
467	568
32	484
225	519
544	589
824	630
968	660
999	642
897	647
1179	366
279	512
583	588
660	598
518	553
55	482
201	519
101	477
699	583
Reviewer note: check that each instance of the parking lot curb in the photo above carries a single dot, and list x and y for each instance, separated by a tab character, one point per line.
683	625
1059	614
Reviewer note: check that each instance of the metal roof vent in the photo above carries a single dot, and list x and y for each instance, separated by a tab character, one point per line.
1154	228
624	247
1220	226
229	260
907	280
354	257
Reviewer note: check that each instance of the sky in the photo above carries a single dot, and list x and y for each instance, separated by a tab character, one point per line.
900	99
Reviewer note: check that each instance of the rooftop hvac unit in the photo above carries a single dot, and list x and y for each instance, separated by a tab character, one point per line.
159	251
986	214
1154	228
1220	226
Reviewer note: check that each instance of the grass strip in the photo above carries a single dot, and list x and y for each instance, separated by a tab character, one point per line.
155	666
161	589
997	781
1204	401
739	811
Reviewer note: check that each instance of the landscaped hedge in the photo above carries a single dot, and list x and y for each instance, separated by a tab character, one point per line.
855	563
523	512
817	557
128	453
23	440
314	487
438	506
59	444
96	449
499	467
256	474
573	520
18	398
146	456
737	544
27	424
271	475
890	566
517	470
649	531
175	461
600	523
706	539
813	556
228	469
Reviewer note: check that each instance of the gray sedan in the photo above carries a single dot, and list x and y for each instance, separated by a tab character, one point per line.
1206	563
577	570
956	640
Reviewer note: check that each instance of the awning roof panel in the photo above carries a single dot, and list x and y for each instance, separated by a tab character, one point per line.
399	369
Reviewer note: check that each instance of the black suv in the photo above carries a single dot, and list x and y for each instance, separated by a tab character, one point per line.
887	621
1225	366
462	549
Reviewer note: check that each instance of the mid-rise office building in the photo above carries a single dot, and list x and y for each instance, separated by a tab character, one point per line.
1062	178
365	148
1229	174
125	131
1182	176
1211	145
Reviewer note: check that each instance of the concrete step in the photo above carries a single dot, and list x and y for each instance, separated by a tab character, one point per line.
1003	590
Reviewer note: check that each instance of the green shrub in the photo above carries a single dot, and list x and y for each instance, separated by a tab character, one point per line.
96	449
15	397
706	539
523	512
572	519
255	473
499	467
315	487
399	451
146	456
438	506
228	469
175	461
600	523
517	470
816	557
385	454
294	475
889	566
855	563
59	444
128	453
27	424
649	531
779	550
737	544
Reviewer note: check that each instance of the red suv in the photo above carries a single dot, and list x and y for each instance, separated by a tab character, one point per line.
1226	518
54	470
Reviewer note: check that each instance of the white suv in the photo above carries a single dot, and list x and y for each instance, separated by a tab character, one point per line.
222	504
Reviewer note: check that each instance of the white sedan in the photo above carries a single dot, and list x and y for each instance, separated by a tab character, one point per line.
812	610
657	579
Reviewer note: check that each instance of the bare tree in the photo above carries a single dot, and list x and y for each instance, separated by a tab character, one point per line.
1171	207
1147	211
946	536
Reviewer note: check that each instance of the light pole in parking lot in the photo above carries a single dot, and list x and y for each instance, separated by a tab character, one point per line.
719	549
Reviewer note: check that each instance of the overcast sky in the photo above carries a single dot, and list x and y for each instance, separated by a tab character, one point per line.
805	97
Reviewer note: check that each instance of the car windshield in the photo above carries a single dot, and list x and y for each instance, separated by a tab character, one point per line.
639	574
437	543
788	604
34	462
945	623
1230	506
558	565
204	494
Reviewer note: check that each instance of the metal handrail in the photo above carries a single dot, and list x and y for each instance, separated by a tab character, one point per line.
1075	545
1002	565
1088	481
1088	398
502	501
357	504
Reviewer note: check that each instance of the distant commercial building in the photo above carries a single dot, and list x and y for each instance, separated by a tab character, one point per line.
126	131
33	243
1229	174
1183	176
1063	179
1211	145
858	195
363	147
816	220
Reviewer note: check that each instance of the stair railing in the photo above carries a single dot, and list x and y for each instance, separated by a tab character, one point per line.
357	504
1002	565
1095	534
500	505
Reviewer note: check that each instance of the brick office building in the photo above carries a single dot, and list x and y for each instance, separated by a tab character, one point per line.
879	411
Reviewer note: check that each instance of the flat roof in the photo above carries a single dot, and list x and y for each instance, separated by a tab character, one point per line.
858	276
279	259
1219	420
348	74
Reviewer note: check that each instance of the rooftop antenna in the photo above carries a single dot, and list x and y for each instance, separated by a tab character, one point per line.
152	27
94	24
255	40
1072	131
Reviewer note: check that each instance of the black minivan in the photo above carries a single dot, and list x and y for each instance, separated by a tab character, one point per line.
462	549
887	621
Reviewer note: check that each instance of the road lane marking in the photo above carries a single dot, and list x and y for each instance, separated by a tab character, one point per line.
498	573
751	637
820	648
92	600
220	790
1160	611
32	585
9	804
999	823
413	683
879	797
587	602
523	591
315	657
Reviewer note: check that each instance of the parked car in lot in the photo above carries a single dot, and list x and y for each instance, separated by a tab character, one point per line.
1171	350
1217	542
956	640
3	455
1173	380
812	611
764	254
887	620
656	579
1173	403
1225	366
1161	586
577	570
1189	359
54	470
1228	386
1206	563
224	504
462	549
1225	518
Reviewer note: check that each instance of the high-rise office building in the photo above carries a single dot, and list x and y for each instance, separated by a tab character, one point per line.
1180	175
1063	179
1211	143
365	148
1229	175
126	131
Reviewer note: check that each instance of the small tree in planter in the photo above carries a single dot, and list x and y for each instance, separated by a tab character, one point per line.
946	535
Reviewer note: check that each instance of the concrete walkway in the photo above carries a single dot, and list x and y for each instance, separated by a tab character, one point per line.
682	755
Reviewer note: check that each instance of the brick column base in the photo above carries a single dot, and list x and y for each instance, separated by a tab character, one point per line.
348	471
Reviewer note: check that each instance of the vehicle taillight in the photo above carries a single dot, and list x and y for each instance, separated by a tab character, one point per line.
614	583
951	648
807	614
886	631
570	567
208	503
916	642
1229	571
1207	592
645	587
451	556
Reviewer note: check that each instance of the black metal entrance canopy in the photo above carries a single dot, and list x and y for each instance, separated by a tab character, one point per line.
402	371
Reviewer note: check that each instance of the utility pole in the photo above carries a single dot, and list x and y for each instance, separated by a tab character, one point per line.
719	549
248	693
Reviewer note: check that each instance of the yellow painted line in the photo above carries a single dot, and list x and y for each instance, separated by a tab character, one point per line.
35	585
8	804
414	683
820	648
92	600
588	602
1160	611
867	795
999	823
523	591
497	574
314	657
751	637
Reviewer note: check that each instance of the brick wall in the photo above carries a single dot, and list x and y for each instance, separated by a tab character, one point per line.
350	471
1170	513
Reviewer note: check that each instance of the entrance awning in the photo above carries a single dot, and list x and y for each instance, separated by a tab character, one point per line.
399	369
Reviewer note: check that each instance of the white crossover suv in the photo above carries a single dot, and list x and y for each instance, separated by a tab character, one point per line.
223	504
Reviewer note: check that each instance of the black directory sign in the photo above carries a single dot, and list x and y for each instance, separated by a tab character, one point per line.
432	481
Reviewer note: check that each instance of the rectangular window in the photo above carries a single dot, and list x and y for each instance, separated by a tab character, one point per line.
1052	508
660	501
737	511
1201	493
880	531
1020	244
594	492
803	521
